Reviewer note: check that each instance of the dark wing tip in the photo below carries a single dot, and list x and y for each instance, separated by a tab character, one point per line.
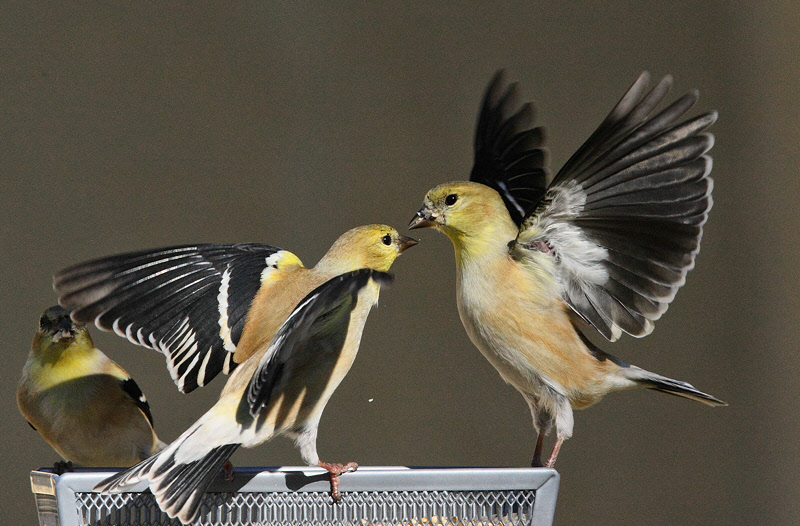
137	396
509	154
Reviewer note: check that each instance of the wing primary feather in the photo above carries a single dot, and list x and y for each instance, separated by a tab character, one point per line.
508	153
624	216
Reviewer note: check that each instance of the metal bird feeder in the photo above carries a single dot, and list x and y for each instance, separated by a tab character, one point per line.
372	496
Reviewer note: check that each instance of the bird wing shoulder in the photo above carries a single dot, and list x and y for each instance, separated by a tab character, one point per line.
273	303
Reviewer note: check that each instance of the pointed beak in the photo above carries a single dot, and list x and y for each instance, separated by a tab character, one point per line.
406	242
63	335
59	330
423	218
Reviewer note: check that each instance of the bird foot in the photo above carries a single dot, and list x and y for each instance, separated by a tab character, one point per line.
61	467
335	471
227	471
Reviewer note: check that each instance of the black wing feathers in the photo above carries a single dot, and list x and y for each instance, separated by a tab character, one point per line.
302	322
508	154
132	390
189	302
646	193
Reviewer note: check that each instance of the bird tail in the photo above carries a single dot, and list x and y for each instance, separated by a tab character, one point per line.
663	384
178	485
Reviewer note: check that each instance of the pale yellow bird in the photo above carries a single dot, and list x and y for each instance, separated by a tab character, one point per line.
606	243
280	390
83	404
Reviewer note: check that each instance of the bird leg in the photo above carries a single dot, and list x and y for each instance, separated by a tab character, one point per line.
537	452
335	470
227	471
552	460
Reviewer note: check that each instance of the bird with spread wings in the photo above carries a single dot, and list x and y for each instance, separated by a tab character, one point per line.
606	243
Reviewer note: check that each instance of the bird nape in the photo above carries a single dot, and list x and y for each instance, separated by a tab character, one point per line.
606	244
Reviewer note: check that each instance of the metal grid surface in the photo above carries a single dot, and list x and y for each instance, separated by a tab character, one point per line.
299	496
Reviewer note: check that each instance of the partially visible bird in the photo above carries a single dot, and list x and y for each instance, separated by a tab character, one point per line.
209	307
282	389
85	405
606	243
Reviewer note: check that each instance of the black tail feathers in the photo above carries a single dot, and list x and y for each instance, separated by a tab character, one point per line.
678	388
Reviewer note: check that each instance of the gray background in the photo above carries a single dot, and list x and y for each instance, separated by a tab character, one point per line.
129	127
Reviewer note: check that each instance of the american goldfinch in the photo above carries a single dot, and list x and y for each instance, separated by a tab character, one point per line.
282	389
85	405
607	243
210	307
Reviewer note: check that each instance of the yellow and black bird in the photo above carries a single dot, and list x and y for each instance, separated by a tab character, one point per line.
85	405
280	390
607	242
287	334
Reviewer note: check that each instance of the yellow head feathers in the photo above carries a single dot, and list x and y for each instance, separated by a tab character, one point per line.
370	246
465	210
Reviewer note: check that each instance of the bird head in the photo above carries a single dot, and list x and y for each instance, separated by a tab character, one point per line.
57	325
371	246
57	328
464	210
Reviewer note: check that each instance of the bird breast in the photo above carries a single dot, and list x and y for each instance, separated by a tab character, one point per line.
519	322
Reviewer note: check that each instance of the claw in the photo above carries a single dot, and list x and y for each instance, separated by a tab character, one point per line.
335	471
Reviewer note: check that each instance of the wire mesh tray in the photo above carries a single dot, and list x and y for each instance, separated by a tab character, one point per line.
375	496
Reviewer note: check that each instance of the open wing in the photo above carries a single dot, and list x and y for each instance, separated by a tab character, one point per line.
508	153
321	316
623	218
188	302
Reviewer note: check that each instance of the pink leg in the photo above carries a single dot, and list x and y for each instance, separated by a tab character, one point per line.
336	470
552	460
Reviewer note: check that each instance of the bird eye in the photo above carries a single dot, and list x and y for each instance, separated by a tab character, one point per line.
451	199
386	240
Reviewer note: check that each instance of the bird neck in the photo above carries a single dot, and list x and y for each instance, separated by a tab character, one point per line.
487	240
336	262
54	362
336	265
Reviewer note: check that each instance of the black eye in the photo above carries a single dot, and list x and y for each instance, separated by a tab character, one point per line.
451	199
386	240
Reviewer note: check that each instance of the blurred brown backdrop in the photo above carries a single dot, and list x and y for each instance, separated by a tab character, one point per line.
135	126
